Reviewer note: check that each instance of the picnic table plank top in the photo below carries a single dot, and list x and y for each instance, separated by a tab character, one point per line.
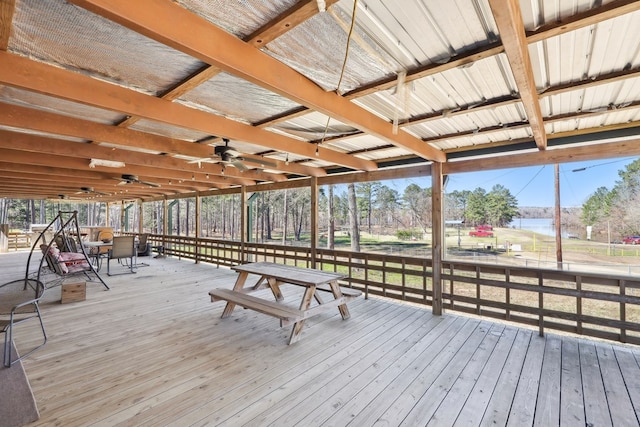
289	273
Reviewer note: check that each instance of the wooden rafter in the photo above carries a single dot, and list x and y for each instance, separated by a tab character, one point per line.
26	158
7	9
590	17
283	23
546	157
215	46
51	146
581	20
42	121
509	20
53	81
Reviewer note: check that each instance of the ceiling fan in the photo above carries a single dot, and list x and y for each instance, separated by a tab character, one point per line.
133	179
231	157
90	190
64	197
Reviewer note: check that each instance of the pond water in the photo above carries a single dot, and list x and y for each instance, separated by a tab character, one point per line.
537	225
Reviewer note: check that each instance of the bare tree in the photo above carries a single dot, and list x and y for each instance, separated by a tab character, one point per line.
353	218
331	219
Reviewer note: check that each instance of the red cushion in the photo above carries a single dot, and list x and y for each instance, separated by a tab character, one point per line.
73	259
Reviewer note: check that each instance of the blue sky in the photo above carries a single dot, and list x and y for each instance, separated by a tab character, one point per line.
534	186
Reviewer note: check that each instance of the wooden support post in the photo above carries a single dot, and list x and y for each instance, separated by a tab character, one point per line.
436	236
243	223
314	220
198	227
165	224
106	214
121	217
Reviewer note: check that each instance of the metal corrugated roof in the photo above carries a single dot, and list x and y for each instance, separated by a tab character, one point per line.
423	81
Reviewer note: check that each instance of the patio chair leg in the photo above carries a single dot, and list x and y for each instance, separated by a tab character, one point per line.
6	358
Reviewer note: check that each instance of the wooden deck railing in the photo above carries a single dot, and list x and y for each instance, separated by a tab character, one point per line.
18	240
596	305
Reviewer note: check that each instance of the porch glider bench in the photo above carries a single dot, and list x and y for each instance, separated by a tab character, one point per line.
271	275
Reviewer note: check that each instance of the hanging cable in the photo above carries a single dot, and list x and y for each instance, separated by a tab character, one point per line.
344	66
600	164
530	181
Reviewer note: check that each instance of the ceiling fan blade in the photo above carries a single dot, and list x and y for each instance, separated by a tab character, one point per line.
262	162
204	160
150	184
236	163
62	197
122	181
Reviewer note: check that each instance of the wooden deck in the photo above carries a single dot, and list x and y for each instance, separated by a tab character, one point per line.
153	351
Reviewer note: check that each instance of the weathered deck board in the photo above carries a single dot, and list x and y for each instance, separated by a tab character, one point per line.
595	398
572	408
154	351
547	404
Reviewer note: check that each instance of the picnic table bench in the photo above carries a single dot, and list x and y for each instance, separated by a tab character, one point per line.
271	275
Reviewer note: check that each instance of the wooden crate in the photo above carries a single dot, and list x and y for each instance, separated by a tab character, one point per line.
73	291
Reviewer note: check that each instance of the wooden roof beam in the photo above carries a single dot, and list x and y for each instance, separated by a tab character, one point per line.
53	81
52	146
565	155
590	17
7	9
27	157
52	189
286	21
215	46
43	121
511	27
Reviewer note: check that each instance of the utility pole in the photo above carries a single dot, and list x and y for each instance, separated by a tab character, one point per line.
558	220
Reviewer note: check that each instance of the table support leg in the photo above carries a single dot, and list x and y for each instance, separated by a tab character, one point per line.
337	294
275	289
296	331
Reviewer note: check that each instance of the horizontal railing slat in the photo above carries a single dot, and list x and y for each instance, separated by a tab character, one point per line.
566	304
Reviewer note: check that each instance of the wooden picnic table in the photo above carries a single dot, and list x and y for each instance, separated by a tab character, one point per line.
271	275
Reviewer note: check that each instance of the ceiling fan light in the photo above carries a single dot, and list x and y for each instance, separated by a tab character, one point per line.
106	163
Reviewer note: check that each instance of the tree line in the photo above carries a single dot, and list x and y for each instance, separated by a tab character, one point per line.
372	207
614	211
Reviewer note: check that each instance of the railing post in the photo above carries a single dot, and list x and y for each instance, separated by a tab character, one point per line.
540	304
623	311
579	304
478	307
4	238
507	294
